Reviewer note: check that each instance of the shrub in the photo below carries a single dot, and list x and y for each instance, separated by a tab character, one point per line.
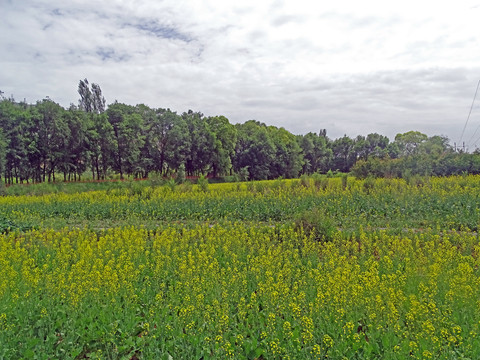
203	183
344	181
156	179
368	184
181	174
317	224
172	184
305	180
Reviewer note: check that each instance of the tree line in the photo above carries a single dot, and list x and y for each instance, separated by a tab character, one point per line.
43	141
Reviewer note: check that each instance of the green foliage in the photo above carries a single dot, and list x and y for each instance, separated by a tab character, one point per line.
134	188
180	178
260	187
202	182
369	184
7	225
318	181
305	180
186	187
42	141
317	224
344	178
171	184
243	173
156	179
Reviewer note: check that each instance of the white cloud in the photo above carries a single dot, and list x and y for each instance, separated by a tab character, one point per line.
347	66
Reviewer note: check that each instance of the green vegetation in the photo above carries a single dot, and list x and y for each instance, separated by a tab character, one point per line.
322	267
300	260
45	142
383	203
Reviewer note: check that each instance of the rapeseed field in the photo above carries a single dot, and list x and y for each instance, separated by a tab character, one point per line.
380	269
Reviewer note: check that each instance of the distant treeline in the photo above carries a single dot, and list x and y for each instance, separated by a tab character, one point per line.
43	140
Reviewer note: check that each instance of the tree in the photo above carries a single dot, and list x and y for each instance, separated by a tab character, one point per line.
224	136
343	153
86	98
13	119
128	137
254	150
167	140
288	159
409	142
100	144
436	145
316	153
73	153
376	145
201	151
3	152
91	100
46	133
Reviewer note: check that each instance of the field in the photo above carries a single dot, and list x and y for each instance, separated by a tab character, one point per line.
315	268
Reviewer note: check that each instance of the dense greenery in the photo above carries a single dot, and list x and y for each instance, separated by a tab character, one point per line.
314	268
418	203
43	141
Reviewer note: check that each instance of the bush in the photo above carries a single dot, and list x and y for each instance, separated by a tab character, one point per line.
134	187
317	224
181	174
187	186
305	180
344	181
172	184
231	178
368	184
203	183
278	184
260	187
156	179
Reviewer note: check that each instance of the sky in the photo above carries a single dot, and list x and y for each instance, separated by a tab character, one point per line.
350	67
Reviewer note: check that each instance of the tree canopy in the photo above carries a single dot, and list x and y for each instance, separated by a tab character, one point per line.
42	140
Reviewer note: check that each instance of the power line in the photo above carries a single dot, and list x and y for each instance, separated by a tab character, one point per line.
468	117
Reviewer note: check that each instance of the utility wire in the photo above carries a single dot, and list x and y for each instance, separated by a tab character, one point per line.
468	117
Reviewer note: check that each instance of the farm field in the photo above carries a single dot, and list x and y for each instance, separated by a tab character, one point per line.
303	269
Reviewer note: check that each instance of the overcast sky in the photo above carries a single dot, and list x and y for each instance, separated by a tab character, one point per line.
351	67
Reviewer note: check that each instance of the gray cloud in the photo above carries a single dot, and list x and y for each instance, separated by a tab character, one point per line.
348	68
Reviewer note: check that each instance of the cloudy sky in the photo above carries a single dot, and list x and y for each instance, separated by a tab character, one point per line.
351	67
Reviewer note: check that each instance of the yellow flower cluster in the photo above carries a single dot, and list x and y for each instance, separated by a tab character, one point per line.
253	290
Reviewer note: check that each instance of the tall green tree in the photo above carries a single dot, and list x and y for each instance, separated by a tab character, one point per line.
3	153
288	160
91	98
167	140
255	150
344	155
317	155
100	144
128	137
224	139
73	153
410	142
45	135
201	151
13	119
